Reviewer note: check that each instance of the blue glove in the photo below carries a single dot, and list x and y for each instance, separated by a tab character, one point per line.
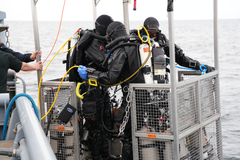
203	68
209	69
206	68
82	72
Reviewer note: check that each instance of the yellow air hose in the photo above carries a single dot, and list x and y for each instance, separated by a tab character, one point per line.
58	91
77	90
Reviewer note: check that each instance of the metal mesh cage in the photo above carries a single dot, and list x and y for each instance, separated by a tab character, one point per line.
63	137
187	106
152	110
209	97
198	120
62	144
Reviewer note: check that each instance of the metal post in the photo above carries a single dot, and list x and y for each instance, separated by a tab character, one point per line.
216	34
38	145
75	123
200	121
216	61
173	78
36	35
126	15
94	4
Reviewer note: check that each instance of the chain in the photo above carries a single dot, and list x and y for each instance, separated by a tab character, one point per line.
7	35
127	113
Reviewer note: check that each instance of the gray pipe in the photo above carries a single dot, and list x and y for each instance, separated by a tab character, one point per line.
215	19
36	35
6	152
24	85
38	145
126	16
22	152
173	77
4	99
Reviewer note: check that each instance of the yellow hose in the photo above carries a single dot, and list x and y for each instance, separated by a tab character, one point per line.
65	44
58	91
68	50
77	90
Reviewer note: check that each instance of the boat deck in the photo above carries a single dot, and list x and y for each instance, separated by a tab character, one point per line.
6	144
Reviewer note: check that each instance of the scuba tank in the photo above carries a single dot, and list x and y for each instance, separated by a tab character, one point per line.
154	70
147	69
148	147
85	153
69	55
159	64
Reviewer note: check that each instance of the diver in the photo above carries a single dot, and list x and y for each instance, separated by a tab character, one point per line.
91	52
121	65
152	26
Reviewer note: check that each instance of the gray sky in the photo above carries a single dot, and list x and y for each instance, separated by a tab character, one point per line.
81	10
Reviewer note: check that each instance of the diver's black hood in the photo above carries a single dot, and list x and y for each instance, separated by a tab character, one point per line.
151	22
102	23
115	30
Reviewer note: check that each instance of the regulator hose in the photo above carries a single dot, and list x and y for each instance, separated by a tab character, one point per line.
125	38
9	109
102	111
95	35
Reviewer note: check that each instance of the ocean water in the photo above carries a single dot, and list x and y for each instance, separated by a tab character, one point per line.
194	37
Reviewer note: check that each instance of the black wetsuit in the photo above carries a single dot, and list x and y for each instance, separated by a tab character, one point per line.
91	52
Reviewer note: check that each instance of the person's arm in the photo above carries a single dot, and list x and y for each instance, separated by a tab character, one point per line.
35	66
34	55
180	57
18	55
115	67
186	61
28	57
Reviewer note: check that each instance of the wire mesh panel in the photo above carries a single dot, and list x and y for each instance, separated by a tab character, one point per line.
212	146
63	135
187	106
193	145
209	97
208	92
154	150
152	111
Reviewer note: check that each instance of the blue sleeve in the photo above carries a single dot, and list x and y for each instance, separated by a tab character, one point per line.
18	55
